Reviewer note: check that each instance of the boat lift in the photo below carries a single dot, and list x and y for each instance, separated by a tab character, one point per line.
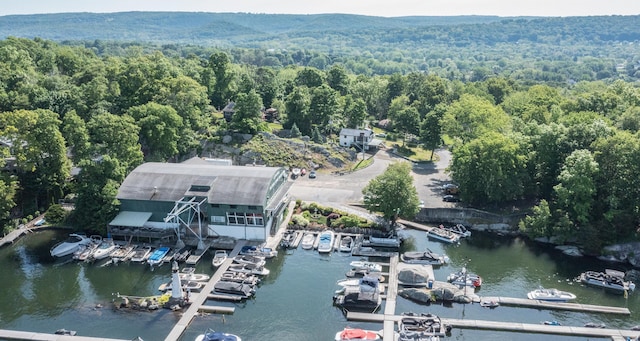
191	208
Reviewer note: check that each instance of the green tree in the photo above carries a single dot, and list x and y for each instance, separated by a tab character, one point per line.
539	222
160	126
98	183
297	109
431	130
354	111
219	83
323	105
74	131
392	193
117	136
295	132
576	189
309	77
248	117
491	168
407	121
338	79
472	116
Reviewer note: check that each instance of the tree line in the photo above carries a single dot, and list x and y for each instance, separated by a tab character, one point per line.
572	149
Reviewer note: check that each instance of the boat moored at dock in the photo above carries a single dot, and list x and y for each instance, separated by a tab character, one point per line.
242	290
211	335
458	229
307	241
354	334
218	258
555	295
443	235
70	245
157	257
424	257
325	242
364	265
141	254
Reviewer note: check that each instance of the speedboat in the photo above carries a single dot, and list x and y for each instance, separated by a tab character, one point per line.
141	254
612	280
349	334
106	247
489	304
247	259
250	269
189	274
218	258
464	278
70	245
288	239
423	257
390	242
252	250
211	335
543	294
65	332
346	244
157	257
186	285
360	265
307	241
325	242
443	235
240	277
458	229
359	273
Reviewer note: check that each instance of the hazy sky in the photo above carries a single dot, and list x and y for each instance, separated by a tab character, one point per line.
386	8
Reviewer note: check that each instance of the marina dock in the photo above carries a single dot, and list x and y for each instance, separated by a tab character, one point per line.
199	299
31	336
585	308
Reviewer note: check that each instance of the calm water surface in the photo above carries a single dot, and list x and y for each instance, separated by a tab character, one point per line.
295	301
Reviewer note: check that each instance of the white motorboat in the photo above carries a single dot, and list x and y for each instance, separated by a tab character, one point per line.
543	294
189	274
423	257
360	265
307	241
346	244
325	242
611	280
458	229
354	334
219	257
141	254
104	249
422	327
247	259
443	235
288	239
70	245
211	335
259	251
240	277
250	269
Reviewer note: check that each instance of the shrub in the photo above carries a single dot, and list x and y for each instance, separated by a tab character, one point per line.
299	220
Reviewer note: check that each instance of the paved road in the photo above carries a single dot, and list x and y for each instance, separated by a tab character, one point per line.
333	189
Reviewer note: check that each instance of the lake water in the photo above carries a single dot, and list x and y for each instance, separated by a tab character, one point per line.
295	301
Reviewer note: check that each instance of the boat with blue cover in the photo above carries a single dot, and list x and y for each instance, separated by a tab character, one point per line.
157	256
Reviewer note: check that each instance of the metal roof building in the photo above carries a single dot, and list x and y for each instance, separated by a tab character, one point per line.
201	199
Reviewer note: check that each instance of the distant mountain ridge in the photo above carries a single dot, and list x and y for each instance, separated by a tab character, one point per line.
192	27
319	31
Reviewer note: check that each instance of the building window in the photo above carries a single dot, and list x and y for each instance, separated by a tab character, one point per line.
217	219
253	207
215	205
233	206
236	218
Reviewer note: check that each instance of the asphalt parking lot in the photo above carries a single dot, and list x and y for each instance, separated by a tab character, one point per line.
347	189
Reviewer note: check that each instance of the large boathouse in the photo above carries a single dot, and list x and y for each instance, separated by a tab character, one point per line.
200	199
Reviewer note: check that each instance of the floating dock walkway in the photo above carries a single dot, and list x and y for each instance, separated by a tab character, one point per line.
585	308
31	336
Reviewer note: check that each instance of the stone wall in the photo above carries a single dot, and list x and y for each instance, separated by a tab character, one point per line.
473	218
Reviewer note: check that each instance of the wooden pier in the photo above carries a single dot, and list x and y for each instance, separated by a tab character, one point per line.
198	300
585	308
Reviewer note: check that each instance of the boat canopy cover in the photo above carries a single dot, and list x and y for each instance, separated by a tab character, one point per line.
218	336
131	219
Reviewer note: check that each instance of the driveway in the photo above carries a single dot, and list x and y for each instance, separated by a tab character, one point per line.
333	189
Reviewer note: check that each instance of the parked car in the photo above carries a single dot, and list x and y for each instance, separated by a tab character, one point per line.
312	174
450	188
450	198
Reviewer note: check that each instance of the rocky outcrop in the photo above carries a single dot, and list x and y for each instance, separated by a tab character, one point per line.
622	253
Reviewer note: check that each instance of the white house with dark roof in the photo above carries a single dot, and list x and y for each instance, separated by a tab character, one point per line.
201	199
360	138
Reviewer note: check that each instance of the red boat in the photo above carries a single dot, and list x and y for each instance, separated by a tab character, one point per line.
357	334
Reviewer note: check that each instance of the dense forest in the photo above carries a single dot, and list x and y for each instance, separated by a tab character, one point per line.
103	108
